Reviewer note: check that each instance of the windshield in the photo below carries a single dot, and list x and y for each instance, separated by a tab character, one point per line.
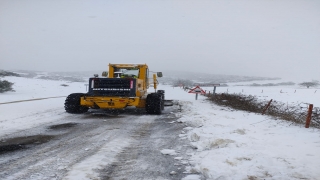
126	73
132	72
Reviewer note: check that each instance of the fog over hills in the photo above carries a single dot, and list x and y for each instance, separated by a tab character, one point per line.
169	77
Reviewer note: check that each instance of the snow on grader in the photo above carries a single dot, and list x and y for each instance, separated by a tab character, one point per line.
124	85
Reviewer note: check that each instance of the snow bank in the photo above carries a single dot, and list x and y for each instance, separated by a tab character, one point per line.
241	145
28	88
19	116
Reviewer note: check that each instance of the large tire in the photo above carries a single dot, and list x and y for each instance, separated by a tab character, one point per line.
154	103
149	107
72	104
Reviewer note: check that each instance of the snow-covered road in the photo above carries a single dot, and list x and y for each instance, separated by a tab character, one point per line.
98	144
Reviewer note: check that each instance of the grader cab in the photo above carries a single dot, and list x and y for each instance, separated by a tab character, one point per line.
124	85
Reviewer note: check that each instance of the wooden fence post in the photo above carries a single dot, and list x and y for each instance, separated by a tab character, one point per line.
265	109
308	120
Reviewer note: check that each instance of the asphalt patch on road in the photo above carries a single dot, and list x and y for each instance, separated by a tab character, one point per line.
62	126
101	115
118	112
19	143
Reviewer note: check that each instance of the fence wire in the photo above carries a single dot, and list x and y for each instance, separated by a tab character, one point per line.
294	112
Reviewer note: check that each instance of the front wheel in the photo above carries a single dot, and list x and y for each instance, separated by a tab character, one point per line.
154	103
72	104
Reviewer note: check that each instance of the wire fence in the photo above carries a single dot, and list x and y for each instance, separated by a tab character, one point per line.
295	113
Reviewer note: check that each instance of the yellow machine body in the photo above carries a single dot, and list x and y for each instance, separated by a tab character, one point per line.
108	93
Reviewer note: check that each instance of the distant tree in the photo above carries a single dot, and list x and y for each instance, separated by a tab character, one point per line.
183	82
5	86
310	84
7	73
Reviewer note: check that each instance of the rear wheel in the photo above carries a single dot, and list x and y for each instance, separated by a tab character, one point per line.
154	103
162	94
72	104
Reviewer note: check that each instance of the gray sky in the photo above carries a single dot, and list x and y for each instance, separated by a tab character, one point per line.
241	37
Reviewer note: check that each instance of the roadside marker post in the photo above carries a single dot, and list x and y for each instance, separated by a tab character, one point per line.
267	106
308	120
214	89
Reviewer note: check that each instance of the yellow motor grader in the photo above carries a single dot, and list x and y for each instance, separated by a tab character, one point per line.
124	85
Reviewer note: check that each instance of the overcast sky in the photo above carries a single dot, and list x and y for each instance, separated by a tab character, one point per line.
273	38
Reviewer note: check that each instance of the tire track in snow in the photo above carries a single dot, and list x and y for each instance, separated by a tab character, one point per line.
129	143
144	160
40	118
53	159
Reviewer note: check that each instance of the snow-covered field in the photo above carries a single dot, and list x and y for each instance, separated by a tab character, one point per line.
229	144
14	116
286	94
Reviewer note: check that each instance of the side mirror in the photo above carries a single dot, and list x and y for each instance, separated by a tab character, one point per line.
104	74
159	74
